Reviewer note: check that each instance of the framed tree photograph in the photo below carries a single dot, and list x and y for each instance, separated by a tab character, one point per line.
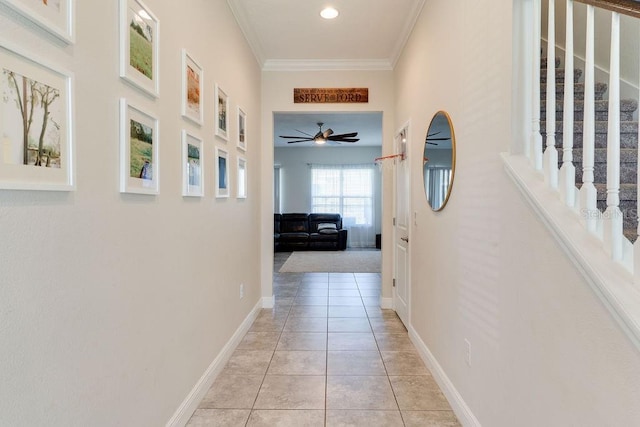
242	130
57	17
139	165
192	81
139	46
36	124
222	173
242	178
192	166
221	113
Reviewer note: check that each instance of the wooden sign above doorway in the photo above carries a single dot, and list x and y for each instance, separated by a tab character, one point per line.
330	95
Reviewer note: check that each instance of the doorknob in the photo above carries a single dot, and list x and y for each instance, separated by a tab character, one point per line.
405	239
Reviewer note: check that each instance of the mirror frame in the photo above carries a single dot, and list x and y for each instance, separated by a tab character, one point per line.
453	160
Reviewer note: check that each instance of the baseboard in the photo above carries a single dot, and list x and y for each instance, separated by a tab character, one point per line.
268	302
459	406
189	405
386	303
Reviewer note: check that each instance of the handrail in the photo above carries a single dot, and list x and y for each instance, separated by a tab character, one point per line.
623	7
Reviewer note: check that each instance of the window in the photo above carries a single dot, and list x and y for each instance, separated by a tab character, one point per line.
349	191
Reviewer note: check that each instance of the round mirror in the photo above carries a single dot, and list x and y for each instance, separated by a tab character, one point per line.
439	160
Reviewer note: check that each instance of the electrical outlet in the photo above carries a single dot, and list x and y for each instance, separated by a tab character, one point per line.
241	290
467	352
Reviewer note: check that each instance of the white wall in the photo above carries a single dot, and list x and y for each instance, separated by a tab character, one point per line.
296	177
112	306
277	96
544	351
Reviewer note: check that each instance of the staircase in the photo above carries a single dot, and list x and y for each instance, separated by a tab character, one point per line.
628	142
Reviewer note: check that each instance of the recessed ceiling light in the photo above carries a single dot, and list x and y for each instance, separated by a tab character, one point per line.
329	13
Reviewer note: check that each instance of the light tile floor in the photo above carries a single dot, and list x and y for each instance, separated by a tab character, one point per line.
325	355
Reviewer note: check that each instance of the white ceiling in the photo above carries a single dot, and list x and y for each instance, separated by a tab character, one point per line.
368	125
291	35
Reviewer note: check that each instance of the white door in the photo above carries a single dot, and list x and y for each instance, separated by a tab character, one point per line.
402	291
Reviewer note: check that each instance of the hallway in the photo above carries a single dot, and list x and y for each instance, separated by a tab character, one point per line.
325	355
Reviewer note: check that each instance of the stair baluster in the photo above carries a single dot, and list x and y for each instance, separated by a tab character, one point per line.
613	215
588	192
550	153
568	170
535	157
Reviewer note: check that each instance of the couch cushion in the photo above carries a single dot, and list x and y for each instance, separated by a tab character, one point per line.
327	228
294	223
293	236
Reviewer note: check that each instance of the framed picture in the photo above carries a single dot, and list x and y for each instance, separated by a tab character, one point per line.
242	130
57	17
139	46
192	81
139	165
36	124
222	116
242	178
192	166
222	173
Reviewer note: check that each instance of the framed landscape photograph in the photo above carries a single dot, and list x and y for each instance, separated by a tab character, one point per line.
139	165
192	166
36	124
57	17
222	173
242	178
242	130
139	46
192	81
221	113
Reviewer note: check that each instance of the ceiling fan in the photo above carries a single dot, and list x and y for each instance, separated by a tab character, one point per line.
429	138
323	136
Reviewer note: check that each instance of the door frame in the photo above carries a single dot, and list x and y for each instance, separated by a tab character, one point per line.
398	148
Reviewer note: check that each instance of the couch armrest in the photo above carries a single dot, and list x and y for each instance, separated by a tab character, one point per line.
342	239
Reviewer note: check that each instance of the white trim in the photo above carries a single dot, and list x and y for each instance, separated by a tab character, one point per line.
327	64
386	303
406	32
268	302
459	406
191	402
610	281
252	39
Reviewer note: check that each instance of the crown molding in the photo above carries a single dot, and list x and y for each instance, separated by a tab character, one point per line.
406	32
327	65
246	28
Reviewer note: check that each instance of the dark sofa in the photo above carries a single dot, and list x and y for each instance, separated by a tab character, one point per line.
301	231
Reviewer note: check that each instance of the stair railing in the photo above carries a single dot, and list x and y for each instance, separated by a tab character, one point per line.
608	226
593	240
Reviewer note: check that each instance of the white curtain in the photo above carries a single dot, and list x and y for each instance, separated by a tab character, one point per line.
437	183
347	190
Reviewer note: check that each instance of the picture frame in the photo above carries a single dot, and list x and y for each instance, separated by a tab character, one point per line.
242	129
37	147
242	178
192	165
192	89
222	173
139	47
56	17
221	113
139	150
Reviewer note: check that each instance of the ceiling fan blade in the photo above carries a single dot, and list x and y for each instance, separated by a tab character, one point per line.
432	143
344	139
346	135
294	137
308	134
438	139
432	134
301	140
